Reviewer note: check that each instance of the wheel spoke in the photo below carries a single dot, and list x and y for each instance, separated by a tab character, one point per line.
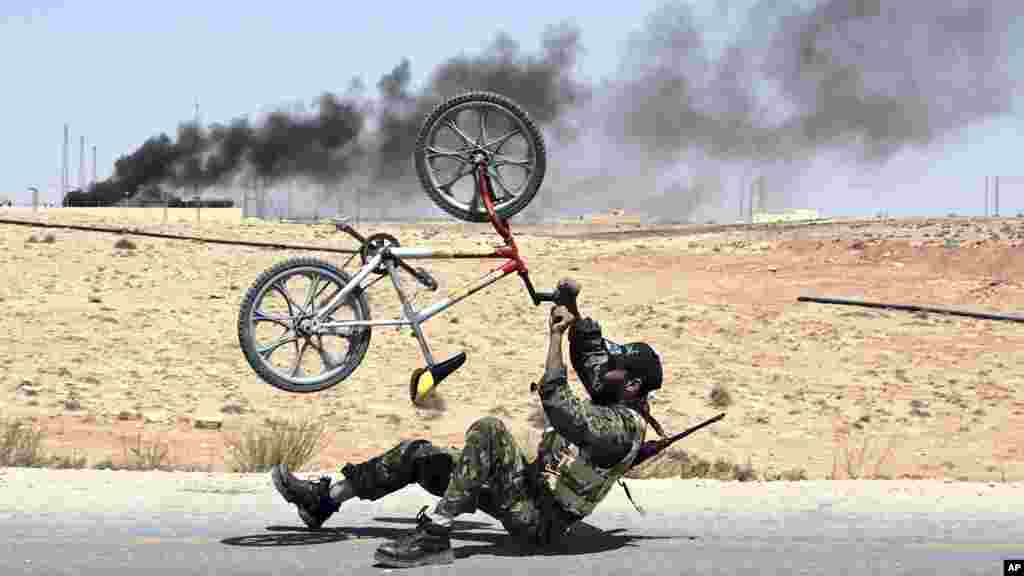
266	351
311	292
455	128
325	301
499	160
297	365
446	187
279	286
483	126
284	321
502	139
501	184
433	152
325	356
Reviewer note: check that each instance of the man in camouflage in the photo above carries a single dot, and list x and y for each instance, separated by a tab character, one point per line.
585	449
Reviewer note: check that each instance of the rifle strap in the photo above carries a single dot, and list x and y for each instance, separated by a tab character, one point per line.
630	496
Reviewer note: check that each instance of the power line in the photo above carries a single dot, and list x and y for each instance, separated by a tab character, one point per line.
129	231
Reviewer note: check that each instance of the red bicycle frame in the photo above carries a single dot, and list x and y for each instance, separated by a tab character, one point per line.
509	251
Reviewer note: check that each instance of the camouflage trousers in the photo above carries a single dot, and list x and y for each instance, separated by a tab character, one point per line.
489	473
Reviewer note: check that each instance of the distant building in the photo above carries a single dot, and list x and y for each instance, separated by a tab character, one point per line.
792	215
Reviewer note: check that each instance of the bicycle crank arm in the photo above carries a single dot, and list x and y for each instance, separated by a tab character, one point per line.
420	274
426	279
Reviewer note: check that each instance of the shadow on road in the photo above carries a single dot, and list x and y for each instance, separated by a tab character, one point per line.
456	525
584	539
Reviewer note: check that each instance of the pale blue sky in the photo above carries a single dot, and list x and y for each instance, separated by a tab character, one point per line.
119	72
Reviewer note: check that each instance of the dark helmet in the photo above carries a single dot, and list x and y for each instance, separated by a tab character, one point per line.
639	360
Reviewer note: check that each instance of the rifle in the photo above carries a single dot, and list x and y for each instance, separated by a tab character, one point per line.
652	448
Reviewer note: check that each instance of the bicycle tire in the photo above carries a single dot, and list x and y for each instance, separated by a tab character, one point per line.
531	133
358	345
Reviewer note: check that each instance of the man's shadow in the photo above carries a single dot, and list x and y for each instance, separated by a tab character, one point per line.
485	538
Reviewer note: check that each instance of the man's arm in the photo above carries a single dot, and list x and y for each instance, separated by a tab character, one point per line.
554	367
587	348
589	353
603	430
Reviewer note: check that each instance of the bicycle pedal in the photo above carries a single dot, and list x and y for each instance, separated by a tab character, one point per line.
425	380
427	279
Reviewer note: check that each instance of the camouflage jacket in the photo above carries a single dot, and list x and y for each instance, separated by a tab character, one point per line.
588	447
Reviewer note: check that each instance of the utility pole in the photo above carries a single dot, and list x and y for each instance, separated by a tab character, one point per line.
986	196
64	167
995	200
195	151
753	198
81	163
742	198
94	164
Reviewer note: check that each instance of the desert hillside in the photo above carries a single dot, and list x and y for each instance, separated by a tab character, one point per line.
102	343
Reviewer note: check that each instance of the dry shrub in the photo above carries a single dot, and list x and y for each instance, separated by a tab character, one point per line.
261	448
720	396
124	243
148	455
853	462
677	463
791	475
668	464
21	444
72	462
143	455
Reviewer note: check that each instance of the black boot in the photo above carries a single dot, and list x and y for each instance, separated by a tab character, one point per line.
428	544
312	498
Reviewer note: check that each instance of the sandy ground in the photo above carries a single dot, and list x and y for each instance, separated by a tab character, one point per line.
103	346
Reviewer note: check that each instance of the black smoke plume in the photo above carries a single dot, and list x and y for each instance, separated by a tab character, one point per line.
326	147
318	147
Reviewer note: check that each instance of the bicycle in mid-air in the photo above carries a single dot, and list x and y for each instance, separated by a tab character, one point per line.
479	134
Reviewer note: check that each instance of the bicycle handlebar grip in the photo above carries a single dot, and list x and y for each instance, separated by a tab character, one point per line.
545	297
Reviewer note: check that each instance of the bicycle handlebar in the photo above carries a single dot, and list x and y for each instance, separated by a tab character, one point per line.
537	297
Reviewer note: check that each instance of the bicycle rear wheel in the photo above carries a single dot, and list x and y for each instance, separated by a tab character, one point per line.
490	126
281	340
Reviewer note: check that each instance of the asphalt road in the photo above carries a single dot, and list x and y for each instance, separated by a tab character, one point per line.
121	523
